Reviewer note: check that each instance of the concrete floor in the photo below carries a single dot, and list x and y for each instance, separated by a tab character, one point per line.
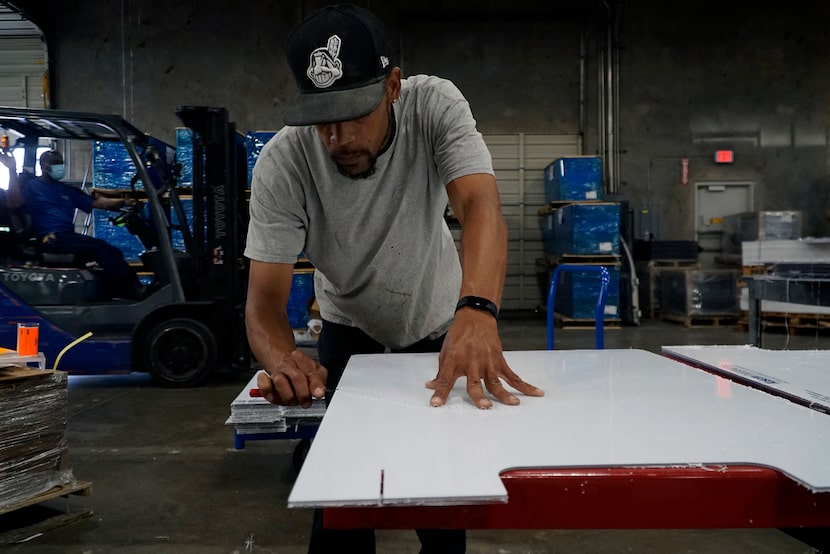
166	478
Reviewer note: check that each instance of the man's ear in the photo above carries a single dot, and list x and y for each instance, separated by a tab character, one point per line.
393	84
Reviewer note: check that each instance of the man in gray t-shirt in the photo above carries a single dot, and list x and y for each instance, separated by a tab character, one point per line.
359	181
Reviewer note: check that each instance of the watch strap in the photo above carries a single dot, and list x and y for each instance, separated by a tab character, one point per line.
478	303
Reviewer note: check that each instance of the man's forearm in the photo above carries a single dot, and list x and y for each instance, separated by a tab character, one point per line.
483	251
475	200
269	334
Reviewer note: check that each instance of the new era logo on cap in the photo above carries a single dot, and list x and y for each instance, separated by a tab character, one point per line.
340	58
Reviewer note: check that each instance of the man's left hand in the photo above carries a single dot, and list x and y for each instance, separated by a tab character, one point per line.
8	160
472	348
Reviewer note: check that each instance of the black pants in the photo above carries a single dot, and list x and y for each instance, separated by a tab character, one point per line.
334	347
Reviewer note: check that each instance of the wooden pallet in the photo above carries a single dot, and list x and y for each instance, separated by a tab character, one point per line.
695	321
790	321
694	264
593	259
564	322
53	520
751	270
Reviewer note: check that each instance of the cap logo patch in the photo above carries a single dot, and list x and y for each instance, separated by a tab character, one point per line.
384	61
324	65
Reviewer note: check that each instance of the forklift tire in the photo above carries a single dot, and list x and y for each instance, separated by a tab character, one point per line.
180	352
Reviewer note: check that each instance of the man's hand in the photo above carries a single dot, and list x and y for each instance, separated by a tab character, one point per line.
473	349
294	381
8	160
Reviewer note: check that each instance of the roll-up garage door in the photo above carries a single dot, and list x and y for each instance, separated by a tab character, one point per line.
23	67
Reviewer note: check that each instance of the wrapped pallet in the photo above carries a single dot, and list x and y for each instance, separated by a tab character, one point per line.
33	449
760	226
696	293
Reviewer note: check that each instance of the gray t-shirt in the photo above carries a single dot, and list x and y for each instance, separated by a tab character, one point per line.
385	259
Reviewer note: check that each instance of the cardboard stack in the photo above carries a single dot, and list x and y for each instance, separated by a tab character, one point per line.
34	456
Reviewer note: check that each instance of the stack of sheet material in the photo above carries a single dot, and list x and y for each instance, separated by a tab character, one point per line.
798	375
33	450
255	415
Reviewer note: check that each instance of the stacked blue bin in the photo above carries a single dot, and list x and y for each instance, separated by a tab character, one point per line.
579	228
586	230
578	291
574	179
113	168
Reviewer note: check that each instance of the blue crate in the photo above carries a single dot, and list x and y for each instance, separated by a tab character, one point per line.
302	291
254	141
119	237
575	178
112	167
586	229
128	243
547	223
578	291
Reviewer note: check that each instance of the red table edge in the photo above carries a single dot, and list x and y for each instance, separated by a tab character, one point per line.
687	497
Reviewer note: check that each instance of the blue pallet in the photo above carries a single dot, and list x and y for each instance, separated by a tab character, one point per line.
575	178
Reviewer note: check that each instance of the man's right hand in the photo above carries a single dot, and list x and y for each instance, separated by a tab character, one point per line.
294	381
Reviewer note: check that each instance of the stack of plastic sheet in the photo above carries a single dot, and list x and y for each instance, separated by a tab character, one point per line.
252	415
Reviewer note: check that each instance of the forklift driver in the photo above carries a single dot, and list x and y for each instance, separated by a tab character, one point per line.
7	240
51	205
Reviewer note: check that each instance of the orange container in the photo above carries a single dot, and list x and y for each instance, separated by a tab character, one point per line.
27	337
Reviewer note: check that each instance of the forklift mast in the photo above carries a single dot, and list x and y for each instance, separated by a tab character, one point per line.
220	215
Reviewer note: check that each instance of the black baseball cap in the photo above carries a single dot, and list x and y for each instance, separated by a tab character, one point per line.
340	58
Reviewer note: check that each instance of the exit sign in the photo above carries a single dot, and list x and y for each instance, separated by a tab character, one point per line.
724	156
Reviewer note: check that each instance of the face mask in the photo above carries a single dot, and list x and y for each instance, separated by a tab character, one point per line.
58	172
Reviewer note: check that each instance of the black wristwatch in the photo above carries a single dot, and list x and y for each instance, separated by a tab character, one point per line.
478	303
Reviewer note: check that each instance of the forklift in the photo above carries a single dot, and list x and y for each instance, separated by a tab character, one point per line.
191	321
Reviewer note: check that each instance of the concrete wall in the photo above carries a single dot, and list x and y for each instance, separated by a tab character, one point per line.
692	78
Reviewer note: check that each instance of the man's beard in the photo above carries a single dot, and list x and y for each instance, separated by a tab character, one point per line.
372	159
357	176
